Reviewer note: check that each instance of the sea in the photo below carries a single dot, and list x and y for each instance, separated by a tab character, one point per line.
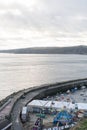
21	71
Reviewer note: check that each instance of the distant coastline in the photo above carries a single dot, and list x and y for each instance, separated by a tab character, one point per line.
49	50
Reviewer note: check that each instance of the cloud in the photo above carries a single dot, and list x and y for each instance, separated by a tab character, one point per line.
43	22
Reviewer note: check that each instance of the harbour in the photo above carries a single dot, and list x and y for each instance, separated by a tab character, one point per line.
32	94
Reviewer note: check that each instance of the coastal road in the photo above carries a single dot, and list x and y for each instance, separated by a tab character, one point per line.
17	125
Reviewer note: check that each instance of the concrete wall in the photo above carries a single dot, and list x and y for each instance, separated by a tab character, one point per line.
59	87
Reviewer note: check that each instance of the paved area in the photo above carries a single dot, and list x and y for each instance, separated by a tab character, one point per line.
79	96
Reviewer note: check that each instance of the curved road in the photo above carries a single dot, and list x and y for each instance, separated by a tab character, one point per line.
17	125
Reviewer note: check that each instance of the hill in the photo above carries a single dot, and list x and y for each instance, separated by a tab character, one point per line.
49	50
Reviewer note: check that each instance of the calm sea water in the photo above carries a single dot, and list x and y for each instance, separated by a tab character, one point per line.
24	71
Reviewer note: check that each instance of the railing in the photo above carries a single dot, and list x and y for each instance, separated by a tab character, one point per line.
4	105
6	127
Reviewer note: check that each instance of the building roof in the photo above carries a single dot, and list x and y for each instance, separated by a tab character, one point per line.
57	104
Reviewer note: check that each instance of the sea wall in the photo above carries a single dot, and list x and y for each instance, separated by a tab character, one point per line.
51	89
46	89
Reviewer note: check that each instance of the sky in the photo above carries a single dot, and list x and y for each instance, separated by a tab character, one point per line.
34	23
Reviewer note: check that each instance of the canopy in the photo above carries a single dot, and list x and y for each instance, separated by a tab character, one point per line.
56	104
63	117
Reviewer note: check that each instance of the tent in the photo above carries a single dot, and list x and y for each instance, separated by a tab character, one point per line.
63	117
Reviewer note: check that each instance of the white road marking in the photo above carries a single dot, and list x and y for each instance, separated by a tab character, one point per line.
17	121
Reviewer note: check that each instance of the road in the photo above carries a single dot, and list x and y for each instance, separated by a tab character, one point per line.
17	125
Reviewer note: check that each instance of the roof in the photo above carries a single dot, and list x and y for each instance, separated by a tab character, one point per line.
63	116
57	104
24	110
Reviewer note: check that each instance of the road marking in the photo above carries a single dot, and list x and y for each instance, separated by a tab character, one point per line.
17	121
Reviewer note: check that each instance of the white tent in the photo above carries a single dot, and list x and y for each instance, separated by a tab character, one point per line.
56	104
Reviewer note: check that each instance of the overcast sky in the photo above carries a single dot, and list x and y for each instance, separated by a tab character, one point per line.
29	23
